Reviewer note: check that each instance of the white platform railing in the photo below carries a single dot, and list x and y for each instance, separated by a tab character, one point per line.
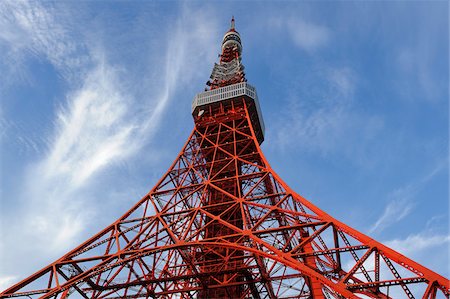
229	92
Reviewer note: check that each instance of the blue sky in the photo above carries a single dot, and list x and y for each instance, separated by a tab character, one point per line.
95	105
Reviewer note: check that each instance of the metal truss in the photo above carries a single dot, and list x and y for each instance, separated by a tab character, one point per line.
222	224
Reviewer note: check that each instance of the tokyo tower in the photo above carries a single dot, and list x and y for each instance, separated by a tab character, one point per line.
220	223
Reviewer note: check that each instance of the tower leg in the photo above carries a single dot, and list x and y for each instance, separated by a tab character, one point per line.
314	284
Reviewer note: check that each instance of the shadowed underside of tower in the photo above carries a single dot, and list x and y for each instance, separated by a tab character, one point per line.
222	224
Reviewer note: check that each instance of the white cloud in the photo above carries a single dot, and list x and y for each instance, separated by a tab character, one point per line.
32	28
6	281
92	131
305	35
418	243
401	200
343	81
320	117
187	52
415	63
397	209
317	122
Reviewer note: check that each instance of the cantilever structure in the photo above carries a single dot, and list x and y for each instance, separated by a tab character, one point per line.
222	224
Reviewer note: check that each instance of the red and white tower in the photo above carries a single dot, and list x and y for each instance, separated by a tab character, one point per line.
222	224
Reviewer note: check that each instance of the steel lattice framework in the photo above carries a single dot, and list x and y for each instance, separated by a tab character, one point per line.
222	224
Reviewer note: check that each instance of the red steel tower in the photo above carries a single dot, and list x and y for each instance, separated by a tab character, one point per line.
222	224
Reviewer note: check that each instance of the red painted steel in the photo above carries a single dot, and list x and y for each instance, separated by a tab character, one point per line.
222	224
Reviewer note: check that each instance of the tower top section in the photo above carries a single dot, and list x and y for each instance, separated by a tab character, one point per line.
229	70
231	40
227	88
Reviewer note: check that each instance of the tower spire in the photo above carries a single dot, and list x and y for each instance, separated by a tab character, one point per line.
229	70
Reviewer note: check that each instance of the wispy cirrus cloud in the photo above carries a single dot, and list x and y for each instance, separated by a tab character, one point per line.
92	130
6	281
417	62
418	243
32	29
322	118
400	205
401	201
306	35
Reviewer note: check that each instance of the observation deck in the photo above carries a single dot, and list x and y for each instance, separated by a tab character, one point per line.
224	95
